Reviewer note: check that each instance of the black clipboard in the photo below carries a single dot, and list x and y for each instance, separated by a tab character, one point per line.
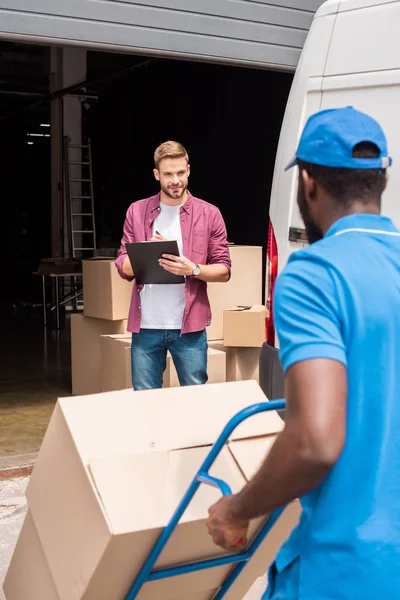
144	257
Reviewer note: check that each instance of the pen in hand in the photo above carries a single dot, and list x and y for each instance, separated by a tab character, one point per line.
158	237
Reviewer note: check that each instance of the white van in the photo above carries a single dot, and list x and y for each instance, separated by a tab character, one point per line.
351	57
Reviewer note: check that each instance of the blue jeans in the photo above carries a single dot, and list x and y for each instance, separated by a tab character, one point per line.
149	357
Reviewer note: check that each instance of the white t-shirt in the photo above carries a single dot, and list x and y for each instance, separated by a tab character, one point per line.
163	305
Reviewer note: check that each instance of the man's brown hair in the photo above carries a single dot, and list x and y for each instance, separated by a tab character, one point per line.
170	150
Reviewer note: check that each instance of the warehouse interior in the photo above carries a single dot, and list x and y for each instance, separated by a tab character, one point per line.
228	117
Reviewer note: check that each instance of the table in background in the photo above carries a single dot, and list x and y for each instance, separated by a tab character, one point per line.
56	278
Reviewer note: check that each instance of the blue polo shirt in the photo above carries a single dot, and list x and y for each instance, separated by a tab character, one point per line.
339	299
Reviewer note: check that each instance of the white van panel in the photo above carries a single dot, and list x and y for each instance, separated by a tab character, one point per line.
365	40
356	4
377	94
328	8
304	99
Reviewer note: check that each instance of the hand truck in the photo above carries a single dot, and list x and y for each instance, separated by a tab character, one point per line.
147	573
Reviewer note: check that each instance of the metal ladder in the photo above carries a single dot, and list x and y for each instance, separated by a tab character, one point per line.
78	182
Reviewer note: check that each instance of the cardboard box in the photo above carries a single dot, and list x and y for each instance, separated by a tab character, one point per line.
29	574
242	364
216	369
85	351
244	288
105	294
114	372
244	327
110	473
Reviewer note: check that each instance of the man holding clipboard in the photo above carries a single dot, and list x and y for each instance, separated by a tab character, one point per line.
173	317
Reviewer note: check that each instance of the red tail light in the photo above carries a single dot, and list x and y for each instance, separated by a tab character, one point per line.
271	275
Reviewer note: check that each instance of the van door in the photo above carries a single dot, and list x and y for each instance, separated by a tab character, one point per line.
377	94
305	98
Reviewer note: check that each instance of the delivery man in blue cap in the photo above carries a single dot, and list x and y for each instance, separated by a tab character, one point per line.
337	311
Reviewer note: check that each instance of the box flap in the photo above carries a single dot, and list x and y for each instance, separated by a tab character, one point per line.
126	340
141	492
250	454
107	424
118	336
186	417
166	419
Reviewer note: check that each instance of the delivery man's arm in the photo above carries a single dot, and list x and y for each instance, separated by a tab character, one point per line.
314	359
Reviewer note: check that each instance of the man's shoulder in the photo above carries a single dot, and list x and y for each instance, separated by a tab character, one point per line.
141	205
325	251
205	206
311	265
334	252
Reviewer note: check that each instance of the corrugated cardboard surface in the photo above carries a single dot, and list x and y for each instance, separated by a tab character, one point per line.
111	470
197	415
242	364
85	351
105	294
128	367
113	364
249	455
244	288
245	328
29	574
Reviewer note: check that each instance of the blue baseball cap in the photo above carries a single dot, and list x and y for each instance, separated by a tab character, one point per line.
330	137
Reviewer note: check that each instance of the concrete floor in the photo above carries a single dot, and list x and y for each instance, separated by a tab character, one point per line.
12	513
34	371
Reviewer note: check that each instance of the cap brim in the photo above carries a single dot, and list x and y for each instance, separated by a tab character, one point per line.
292	164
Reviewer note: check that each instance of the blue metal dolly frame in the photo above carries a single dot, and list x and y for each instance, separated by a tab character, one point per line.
239	559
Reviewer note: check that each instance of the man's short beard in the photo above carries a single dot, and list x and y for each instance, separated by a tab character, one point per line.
314	233
168	193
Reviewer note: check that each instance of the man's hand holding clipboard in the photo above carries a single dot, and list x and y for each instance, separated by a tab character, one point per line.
177	265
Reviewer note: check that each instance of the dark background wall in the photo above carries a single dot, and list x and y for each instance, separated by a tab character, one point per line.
228	118
25	204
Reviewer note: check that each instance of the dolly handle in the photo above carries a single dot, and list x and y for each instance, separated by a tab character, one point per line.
203	477
146	573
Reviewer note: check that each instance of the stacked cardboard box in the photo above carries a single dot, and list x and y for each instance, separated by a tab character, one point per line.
106	305
105	294
244	326
244	334
242	364
109	475
244	287
98	366
85	351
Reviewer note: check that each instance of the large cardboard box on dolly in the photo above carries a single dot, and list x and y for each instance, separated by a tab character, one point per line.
111	470
85	351
105	294
244	287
